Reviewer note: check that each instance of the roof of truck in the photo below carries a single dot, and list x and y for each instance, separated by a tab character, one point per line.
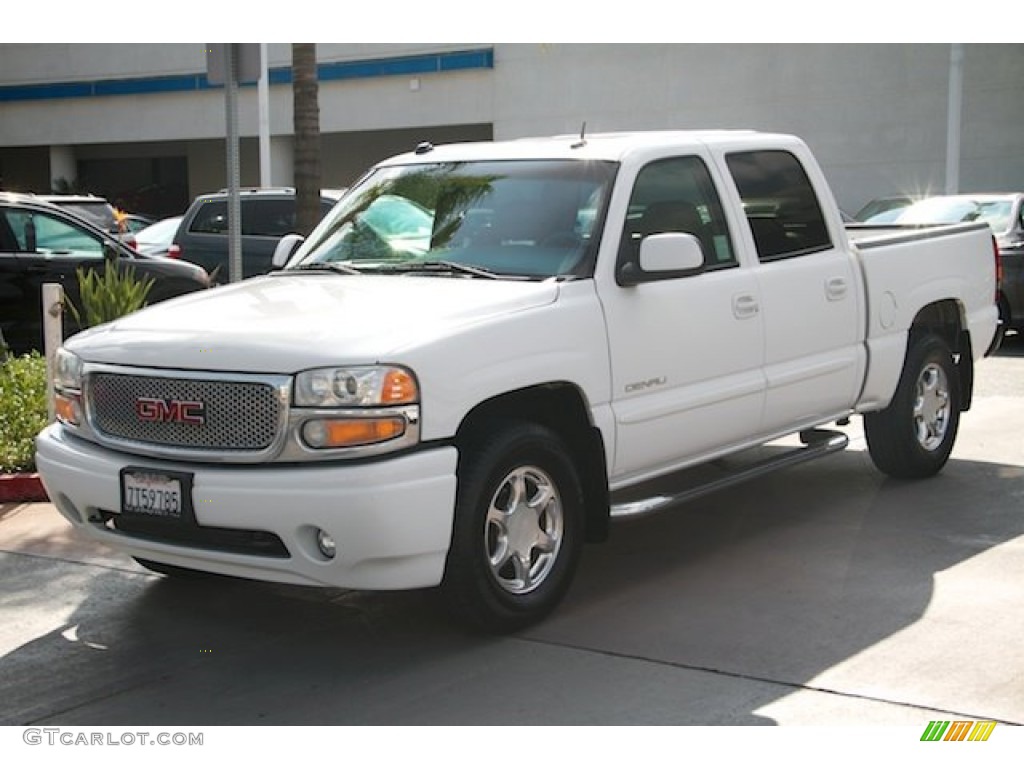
596	146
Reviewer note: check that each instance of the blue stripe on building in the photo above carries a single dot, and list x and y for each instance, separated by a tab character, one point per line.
424	64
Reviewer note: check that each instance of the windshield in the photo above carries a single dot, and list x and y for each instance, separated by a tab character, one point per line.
951	210
517	218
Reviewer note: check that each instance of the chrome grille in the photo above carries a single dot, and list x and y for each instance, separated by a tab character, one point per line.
236	415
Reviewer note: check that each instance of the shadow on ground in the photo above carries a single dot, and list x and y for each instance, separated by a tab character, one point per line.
700	616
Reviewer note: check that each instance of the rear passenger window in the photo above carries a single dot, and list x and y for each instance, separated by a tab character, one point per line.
677	195
779	201
267	218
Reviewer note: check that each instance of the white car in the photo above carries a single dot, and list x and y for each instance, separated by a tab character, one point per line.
158	238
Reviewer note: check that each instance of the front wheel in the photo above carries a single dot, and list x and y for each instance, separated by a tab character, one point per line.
914	436
518	528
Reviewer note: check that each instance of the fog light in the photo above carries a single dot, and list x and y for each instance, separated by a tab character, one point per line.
325	542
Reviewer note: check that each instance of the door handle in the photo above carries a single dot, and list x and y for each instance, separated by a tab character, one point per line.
836	288
745	306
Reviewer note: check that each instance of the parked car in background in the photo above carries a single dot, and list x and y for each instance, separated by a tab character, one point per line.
888	205
96	210
1004	213
133	223
268	214
43	243
158	238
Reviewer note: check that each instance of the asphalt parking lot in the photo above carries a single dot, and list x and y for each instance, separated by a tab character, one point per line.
822	595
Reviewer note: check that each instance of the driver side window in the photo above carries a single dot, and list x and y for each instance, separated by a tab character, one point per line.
677	195
41	233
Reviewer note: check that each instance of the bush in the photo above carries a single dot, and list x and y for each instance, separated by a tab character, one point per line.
22	410
108	297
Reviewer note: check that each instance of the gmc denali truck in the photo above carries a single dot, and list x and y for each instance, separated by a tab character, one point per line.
468	368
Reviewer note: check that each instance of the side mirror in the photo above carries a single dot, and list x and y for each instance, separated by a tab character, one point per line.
286	247
666	255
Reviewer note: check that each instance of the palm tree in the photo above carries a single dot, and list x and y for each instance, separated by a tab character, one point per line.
306	121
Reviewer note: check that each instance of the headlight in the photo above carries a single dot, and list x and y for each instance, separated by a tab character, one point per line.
67	371
358	386
357	409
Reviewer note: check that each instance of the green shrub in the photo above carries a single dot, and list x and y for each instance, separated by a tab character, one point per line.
108	297
22	410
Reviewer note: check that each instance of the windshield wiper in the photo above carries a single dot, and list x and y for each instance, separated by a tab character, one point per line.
325	266
449	267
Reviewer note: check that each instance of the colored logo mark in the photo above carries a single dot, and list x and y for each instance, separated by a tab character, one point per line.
958	730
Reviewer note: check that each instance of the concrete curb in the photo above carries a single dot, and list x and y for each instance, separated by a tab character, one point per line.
22	487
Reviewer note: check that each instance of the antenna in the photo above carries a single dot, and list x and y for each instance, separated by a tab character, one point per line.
583	137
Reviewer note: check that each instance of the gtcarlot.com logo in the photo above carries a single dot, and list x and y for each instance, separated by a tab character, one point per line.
70	738
958	730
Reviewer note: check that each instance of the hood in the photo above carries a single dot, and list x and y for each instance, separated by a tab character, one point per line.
286	323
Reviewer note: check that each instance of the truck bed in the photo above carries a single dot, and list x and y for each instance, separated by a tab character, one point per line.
896	286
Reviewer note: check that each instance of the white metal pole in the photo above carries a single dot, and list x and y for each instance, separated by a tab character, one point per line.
234	172
53	336
263	92
953	117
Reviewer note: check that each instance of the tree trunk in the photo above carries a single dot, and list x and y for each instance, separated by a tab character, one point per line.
306	111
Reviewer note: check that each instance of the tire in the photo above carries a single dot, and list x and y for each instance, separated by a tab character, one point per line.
518	529
914	436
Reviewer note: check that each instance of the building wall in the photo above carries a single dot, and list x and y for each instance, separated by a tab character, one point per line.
876	115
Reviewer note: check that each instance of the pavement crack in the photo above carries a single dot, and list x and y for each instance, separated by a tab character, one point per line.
747	677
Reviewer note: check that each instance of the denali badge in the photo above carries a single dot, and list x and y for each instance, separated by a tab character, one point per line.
176	411
636	386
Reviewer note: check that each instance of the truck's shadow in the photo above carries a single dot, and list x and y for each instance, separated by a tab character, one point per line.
765	585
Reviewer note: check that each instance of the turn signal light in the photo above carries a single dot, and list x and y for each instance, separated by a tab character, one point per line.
67	409
347	433
399	387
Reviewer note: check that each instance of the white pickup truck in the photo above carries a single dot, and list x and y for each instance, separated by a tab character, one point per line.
471	365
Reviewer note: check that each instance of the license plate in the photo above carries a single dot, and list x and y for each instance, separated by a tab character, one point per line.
154	493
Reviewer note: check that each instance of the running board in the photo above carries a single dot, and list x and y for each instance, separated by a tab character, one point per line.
818	443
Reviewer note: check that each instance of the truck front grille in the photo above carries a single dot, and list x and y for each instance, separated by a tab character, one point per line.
184	413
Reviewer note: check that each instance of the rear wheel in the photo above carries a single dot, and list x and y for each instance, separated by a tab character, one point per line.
914	436
518	528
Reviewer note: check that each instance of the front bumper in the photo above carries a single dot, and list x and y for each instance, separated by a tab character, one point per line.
391	518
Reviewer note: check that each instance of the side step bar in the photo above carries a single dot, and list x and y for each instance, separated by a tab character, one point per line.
818	443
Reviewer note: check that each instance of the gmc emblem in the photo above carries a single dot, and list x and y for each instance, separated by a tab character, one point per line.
174	411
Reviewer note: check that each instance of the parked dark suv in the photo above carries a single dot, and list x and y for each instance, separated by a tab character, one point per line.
93	209
268	214
43	243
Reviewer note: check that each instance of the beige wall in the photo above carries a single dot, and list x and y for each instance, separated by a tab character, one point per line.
876	115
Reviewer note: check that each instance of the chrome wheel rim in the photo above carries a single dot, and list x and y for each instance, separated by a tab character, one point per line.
932	407
524	530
